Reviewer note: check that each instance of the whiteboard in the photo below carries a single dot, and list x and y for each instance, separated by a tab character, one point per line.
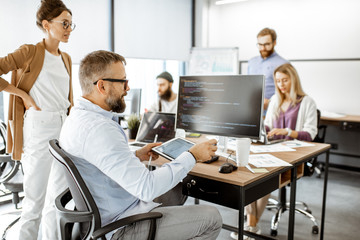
333	84
213	61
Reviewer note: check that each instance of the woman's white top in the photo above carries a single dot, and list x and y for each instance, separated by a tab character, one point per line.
306	119
51	89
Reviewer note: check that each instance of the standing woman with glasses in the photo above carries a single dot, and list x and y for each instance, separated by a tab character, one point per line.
40	98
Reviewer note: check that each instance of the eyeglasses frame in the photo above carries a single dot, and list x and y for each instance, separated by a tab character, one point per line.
114	80
265	45
72	25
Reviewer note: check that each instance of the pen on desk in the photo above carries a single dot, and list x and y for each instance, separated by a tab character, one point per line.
155	139
250	169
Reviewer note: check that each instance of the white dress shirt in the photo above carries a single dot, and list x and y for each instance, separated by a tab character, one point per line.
120	184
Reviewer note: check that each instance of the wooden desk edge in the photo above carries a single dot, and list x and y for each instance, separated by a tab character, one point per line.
243	176
347	118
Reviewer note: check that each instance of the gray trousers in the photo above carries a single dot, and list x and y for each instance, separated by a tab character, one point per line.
177	223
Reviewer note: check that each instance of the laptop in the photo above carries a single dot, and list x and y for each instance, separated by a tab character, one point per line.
152	123
267	140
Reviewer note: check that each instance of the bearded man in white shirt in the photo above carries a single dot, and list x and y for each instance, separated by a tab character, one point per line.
120	183
167	98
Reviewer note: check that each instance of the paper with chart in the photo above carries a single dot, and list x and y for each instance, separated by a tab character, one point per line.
296	143
278	147
266	160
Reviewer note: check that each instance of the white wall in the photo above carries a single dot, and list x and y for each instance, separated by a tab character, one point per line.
307	29
156	29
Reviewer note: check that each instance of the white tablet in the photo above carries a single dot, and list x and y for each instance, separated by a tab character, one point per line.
173	148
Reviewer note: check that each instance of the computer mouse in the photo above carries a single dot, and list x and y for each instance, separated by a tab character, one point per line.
227	168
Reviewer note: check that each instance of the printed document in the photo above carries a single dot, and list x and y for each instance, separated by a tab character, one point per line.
266	160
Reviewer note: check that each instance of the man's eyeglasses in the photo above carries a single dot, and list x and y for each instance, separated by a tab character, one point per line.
66	24
265	45
115	80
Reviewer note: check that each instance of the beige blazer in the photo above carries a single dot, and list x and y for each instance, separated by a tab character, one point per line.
25	64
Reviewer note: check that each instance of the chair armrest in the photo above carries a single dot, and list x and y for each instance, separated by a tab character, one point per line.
69	215
125	221
14	168
5	158
322	133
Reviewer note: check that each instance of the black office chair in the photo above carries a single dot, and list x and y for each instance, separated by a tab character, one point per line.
84	222
281	205
11	176
314	165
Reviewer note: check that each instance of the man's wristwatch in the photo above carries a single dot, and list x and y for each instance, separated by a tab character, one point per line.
289	131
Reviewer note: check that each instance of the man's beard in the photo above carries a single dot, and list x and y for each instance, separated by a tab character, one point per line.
116	104
166	95
266	53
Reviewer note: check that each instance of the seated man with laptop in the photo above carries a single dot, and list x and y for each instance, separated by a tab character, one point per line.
119	182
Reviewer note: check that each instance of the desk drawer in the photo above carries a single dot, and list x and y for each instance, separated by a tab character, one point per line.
226	194
212	191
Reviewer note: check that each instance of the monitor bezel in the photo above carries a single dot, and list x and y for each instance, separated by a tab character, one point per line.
260	123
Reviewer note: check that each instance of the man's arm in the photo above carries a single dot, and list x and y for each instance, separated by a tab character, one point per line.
144	153
117	162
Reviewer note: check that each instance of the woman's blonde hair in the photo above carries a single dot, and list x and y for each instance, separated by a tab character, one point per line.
296	91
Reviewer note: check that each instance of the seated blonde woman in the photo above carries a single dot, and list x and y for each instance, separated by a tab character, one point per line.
291	115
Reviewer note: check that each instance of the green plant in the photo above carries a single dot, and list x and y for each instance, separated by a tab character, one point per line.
133	121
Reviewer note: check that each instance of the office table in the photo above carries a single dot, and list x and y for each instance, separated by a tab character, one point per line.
346	123
241	187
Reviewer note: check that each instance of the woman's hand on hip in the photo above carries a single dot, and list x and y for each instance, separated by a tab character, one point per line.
27	99
29	102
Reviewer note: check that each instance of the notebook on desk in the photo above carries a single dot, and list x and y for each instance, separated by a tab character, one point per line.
152	123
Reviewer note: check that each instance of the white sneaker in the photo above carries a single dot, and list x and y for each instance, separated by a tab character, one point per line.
256	229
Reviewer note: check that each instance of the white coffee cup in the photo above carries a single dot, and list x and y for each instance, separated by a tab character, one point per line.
242	151
180	133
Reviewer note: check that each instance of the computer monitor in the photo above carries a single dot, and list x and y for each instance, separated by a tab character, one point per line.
133	102
229	105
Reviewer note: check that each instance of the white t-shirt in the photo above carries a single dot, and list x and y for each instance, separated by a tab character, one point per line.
51	89
166	106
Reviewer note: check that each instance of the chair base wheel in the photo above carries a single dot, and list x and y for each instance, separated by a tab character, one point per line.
274	233
315	229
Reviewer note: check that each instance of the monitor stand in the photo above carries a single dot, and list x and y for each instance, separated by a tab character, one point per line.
223	147
222	144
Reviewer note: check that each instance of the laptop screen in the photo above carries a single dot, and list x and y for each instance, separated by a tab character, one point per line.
152	123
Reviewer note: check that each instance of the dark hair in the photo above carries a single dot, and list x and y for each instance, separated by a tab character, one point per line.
165	75
268	31
48	10
94	66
